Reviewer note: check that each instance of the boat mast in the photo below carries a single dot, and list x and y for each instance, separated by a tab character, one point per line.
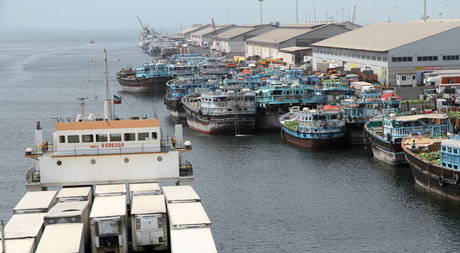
107	102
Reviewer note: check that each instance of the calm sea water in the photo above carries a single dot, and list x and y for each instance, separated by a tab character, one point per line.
261	194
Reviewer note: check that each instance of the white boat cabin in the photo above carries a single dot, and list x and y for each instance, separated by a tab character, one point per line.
107	137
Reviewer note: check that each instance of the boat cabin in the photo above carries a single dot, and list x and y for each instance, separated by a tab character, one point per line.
450	153
107	137
152	70
396	127
322	120
235	100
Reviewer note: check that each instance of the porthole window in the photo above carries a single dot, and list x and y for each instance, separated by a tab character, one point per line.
126	160
59	163
160	158
93	161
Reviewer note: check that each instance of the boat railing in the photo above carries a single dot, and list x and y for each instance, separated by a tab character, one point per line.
186	169
400	132
33	175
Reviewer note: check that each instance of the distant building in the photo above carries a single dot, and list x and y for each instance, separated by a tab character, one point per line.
268	45
188	31
233	40
205	35
396	52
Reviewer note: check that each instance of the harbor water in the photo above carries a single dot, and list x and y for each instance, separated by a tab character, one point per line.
261	194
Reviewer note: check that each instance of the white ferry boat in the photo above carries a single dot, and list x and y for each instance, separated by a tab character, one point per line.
108	155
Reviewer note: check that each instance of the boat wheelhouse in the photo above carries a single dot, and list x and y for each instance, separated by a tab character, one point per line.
228	110
435	163
314	128
185	85
213	66
384	134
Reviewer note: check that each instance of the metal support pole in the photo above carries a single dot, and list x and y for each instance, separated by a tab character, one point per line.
297	11
2	225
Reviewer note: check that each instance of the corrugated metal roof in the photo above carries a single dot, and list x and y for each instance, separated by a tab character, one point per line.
293	49
59	238
180	193
386	36
209	30
191	29
147	204
237	31
278	35
187	214
24	225
196	240
19	245
108	206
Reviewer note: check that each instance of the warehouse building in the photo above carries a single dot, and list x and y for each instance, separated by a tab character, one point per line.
199	38
398	53
186	33
268	45
233	41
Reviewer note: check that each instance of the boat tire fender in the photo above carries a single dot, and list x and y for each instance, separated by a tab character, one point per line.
456	179
441	181
300	101
389	137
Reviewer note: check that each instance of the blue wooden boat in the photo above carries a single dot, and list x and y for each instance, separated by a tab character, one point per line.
314	128
385	133
435	163
151	77
275	100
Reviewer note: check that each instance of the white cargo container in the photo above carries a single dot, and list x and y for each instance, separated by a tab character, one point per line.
144	189
149	224
71	212
29	225
36	202
110	190
109	230
71	194
181	193
18	245
60	238
187	215
194	240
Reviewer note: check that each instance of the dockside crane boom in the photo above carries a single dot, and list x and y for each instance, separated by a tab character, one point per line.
140	22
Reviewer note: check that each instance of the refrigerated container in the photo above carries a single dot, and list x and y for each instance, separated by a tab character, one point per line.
36	202
60	238
70	194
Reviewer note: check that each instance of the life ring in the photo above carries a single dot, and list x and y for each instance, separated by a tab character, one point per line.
456	178
441	181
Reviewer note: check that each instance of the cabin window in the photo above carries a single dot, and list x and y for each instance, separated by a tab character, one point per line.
87	138
115	137
73	138
130	136
449	150
154	135
101	137
61	138
143	136
455	151
443	148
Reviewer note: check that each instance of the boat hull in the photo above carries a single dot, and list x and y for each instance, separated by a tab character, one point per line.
268	122
220	124
175	107
428	174
354	133
321	142
391	153
144	85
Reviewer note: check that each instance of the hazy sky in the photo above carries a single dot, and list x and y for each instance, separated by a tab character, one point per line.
168	14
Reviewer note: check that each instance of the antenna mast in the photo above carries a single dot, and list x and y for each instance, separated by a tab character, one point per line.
107	102
424	12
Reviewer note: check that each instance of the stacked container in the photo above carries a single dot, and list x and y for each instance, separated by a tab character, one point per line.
18	245
71	212
149	224
36	202
62	238
108	218
72	194
190	227
25	226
